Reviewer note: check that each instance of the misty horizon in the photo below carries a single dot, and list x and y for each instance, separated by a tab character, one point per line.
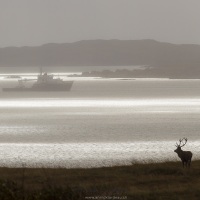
165	60
78	41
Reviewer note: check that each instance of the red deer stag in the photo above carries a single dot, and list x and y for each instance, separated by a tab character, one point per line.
185	156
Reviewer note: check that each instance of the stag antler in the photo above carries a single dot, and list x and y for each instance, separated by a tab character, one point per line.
180	141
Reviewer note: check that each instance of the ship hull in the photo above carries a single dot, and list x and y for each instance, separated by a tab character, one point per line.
66	86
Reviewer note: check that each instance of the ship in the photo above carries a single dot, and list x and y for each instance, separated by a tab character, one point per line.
44	83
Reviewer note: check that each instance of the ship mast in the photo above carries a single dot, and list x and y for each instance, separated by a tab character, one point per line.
40	71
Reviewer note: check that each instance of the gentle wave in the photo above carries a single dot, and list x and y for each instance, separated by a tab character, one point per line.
57	102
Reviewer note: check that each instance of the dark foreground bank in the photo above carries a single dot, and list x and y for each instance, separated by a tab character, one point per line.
140	181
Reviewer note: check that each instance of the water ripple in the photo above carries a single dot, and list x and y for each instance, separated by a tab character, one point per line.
86	155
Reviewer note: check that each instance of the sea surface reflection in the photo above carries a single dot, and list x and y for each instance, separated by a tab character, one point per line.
100	122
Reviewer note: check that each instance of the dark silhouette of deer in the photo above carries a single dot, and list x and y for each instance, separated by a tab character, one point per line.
185	156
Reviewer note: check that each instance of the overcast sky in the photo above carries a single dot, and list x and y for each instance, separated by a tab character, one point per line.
35	22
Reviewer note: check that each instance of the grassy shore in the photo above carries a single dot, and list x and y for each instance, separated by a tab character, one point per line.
140	181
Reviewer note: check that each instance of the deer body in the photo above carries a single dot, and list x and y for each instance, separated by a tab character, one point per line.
185	156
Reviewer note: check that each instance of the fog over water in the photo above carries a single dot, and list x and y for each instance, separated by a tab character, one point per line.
100	122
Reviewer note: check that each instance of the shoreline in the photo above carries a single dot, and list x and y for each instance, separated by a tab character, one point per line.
138	181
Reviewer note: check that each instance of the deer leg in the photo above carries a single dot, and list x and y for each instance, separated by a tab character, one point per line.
183	163
189	163
186	163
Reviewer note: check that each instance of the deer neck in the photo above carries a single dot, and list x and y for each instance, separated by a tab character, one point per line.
180	152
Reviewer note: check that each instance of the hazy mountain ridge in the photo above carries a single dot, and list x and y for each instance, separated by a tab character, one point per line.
101	52
105	53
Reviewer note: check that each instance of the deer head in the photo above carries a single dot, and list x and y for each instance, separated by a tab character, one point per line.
182	142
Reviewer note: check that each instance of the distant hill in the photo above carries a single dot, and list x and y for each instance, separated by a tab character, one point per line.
166	56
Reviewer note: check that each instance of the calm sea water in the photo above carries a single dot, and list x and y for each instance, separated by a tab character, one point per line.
100	122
